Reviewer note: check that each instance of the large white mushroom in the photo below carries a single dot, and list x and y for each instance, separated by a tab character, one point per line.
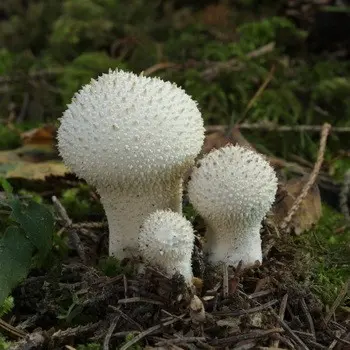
133	138
166	241
232	189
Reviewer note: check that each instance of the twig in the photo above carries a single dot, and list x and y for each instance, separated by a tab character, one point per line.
308	317
61	211
147	332
110	332
61	335
68	224
139	300
225	289
246	312
258	93
245	336
262	293
126	317
269	126
180	340
215	69
159	66
342	294
281	314
13	331
320	156
90	225
290	331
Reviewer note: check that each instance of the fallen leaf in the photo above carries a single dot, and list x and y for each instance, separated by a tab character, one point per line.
215	140
217	15
36	171
38	136
31	162
310	209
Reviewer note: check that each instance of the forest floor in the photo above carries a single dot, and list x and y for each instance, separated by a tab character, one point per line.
274	79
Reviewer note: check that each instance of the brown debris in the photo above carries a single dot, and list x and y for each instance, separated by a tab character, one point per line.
310	209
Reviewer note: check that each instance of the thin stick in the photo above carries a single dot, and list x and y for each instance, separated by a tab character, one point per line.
290	331
225	280
13	331
147	332
246	336
110	332
246	312
257	94
180	340
68	224
139	300
281	314
267	126
320	156
308	317
342	294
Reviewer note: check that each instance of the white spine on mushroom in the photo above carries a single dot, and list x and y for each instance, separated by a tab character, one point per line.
166	241
133	138
232	189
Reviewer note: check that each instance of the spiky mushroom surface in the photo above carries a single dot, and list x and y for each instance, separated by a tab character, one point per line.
166	241
232	189
132	137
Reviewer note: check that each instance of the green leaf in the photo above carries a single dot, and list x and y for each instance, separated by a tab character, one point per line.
6	186
15	257
37	222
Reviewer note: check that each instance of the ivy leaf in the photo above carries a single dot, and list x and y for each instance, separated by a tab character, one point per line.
15	258
37	222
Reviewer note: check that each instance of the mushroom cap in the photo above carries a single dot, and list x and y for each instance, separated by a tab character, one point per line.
233	182
126	127
166	237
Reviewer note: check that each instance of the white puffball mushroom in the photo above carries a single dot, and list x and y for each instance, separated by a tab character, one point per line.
233	188
166	241
133	138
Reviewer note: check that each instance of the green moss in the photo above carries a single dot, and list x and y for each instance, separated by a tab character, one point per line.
4	344
79	203
9	138
112	267
328	253
82	69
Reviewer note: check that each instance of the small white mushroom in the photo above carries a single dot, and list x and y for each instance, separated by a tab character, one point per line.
133	138
232	189
166	241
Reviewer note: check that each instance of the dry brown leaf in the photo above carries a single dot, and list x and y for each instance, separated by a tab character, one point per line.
218	139
31	162
44	135
215	140
309	212
216	15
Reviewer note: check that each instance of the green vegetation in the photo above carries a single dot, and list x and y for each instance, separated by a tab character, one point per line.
327	246
28	236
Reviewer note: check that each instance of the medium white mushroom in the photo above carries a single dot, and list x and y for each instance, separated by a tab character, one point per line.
232	189
133	138
166	241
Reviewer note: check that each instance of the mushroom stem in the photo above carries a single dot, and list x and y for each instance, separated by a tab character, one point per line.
242	244
126	209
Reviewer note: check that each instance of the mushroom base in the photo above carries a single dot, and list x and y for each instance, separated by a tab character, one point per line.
127	210
231	244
